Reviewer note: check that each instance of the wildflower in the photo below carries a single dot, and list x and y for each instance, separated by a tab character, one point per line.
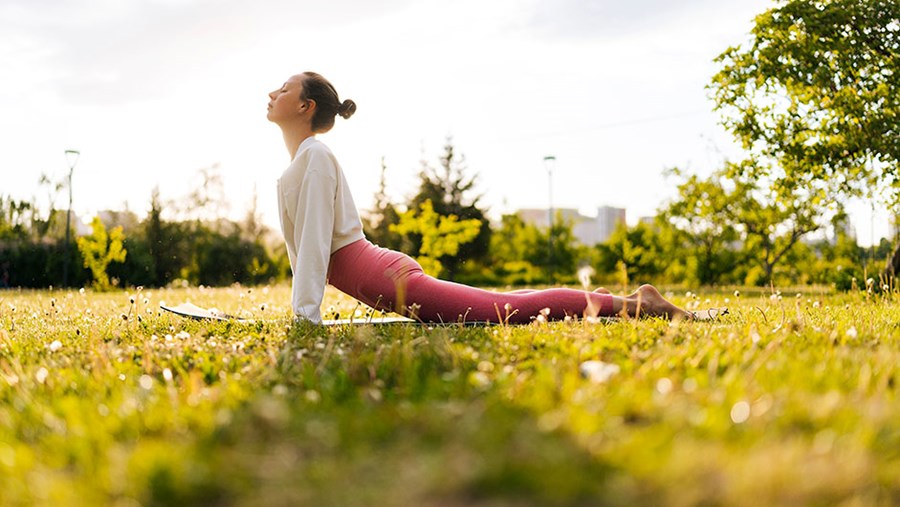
55	345
598	372
584	276
737	293
41	375
664	386
740	412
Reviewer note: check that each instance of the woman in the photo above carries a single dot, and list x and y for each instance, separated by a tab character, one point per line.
325	242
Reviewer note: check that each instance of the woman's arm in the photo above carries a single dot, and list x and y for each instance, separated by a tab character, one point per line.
313	226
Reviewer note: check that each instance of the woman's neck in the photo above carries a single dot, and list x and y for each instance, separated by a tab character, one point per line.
294	137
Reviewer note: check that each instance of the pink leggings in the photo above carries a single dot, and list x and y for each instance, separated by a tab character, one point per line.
393	281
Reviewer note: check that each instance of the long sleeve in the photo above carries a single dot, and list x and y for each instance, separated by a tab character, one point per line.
317	217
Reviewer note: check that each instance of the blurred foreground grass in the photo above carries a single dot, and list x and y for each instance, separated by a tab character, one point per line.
790	400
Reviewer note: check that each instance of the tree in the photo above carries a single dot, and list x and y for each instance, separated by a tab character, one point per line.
768	218
442	236
99	249
378	221
634	250
449	190
817	89
772	224
517	251
701	211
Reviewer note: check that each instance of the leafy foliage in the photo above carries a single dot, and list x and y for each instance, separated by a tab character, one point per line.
817	89
450	189
441	236
99	249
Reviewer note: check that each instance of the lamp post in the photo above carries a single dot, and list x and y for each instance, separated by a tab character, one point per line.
549	165
72	159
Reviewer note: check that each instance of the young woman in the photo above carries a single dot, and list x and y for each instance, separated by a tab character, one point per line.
325	241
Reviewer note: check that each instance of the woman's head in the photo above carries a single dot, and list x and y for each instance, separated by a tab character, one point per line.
317	89
312	95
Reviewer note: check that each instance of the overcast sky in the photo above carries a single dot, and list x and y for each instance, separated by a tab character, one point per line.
151	91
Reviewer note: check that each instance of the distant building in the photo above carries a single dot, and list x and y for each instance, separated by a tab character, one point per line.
588	230
608	218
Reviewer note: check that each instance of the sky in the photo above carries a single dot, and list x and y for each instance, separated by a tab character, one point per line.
153	91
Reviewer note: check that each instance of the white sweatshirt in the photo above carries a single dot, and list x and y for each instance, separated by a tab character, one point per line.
318	217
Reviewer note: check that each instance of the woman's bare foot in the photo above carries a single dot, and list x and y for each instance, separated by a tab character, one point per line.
648	301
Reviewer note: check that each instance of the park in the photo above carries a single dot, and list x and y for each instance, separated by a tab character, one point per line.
790	397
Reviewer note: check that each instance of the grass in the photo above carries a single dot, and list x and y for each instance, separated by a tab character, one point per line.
790	400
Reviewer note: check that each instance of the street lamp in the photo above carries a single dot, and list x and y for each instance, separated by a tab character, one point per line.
72	159
549	165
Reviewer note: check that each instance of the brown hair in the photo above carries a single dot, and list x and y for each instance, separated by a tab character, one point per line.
328	105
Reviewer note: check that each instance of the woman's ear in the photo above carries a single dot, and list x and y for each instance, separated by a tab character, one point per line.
307	105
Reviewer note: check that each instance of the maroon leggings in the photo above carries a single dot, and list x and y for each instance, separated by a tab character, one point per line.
393	281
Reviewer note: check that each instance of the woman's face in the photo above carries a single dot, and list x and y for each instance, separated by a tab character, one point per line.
285	103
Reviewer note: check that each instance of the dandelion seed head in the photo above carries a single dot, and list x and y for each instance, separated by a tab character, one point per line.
740	412
41	375
598	372
664	386
55	345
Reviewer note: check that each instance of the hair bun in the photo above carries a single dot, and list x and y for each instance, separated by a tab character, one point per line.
346	109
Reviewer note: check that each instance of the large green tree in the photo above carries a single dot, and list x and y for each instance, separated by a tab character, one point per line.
816	90
731	218
451	191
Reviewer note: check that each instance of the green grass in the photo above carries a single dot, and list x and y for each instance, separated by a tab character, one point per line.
787	401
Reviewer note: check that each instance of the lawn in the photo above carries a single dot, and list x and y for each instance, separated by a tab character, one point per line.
104	400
